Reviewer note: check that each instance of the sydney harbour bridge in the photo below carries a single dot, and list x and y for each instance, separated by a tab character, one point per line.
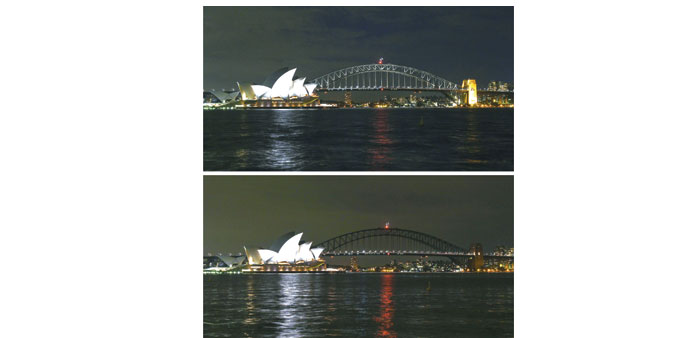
383	77
387	241
392	77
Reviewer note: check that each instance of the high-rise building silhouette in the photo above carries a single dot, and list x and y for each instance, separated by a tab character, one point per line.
347	100
354	263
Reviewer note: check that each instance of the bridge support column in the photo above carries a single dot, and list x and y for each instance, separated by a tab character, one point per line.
476	261
471	97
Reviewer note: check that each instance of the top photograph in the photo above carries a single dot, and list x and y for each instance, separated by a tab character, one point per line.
358	88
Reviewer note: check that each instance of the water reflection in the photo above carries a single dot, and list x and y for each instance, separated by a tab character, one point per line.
471	146
472	134
358	305
380	152
331	306
284	152
244	126
241	154
250	303
289	310
386	316
359	139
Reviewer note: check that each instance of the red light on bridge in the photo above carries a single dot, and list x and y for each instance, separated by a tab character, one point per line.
380	62
386	226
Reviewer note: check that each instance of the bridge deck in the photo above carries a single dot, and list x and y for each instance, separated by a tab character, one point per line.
411	89
408	253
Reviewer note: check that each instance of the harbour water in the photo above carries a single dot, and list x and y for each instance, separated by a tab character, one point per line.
390	139
359	305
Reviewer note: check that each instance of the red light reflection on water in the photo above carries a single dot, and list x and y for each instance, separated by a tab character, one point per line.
386	309
379	155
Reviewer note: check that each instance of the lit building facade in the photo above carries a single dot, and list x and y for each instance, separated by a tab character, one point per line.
354	263
499	86
279	89
218	98
471	92
213	264
347	100
287	254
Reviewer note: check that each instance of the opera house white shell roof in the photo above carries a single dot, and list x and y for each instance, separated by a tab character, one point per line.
279	85
287	249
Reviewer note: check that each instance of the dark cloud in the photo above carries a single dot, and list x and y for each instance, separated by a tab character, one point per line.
254	210
248	43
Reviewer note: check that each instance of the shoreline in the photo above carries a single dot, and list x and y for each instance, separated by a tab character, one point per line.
349	272
343	108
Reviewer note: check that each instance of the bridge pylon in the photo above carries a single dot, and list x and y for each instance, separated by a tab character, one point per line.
470	92
476	261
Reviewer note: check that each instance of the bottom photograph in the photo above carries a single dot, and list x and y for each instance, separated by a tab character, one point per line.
358	256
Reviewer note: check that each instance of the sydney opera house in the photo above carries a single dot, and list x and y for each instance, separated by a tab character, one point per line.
280	89
287	253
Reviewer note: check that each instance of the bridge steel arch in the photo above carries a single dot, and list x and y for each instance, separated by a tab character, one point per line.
382	76
332	244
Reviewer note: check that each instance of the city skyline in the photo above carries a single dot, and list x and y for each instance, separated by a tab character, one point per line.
254	210
243	44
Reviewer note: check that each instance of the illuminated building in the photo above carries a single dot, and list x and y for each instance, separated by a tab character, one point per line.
500	251
221	263
279	90
214	98
471	94
499	86
347	100
354	263
288	253
492	86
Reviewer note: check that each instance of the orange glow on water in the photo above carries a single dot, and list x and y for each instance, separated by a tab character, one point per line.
381	143
385	319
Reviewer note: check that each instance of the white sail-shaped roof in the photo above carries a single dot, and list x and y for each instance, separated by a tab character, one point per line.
269	81
289	250
266	255
285	249
260	90
253	257
297	89
276	245
246	91
316	252
283	84
310	87
304	253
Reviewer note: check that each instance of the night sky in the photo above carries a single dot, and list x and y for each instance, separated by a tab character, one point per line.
246	44
255	210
